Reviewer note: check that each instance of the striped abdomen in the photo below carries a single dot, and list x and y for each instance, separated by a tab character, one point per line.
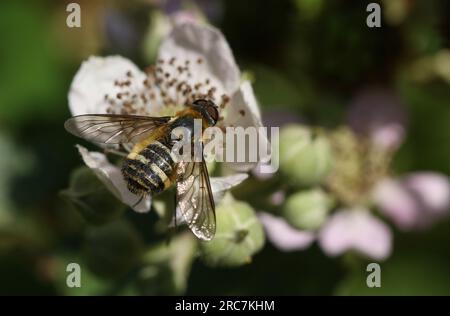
150	170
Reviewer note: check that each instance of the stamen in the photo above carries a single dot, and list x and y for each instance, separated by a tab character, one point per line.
225	101
167	83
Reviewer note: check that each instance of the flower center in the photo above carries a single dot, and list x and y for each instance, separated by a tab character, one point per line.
164	89
358	166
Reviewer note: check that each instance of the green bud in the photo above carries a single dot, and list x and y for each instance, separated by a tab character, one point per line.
305	156
112	250
307	209
239	235
88	195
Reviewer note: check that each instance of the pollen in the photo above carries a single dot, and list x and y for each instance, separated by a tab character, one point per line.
168	83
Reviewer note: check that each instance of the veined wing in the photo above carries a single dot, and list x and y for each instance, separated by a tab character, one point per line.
112	128
195	201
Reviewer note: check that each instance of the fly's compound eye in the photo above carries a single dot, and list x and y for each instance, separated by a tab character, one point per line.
213	112
210	108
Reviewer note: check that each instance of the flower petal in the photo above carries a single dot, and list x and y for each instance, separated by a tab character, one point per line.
186	16
244	109
397	203
220	184
244	112
357	230
415	202
379	113
207	51
111	176
95	79
433	190
389	136
282	235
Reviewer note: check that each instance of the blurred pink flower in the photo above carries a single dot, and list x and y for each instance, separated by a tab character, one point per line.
358	230
416	201
433	190
277	198
378	113
185	16
282	235
347	229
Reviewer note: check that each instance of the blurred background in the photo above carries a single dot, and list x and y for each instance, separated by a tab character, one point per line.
310	61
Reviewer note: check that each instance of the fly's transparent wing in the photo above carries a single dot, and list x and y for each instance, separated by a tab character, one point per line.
112	128
195	200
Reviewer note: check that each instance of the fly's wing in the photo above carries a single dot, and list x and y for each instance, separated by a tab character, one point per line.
112	128
195	200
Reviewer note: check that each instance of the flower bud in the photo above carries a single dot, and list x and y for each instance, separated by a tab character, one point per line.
307	210
239	235
91	198
305	157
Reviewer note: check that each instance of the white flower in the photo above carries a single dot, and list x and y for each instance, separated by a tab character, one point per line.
194	62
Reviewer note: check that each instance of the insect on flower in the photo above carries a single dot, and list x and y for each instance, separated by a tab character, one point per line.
194	63
150	167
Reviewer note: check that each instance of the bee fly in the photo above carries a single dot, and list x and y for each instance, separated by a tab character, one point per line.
150	167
